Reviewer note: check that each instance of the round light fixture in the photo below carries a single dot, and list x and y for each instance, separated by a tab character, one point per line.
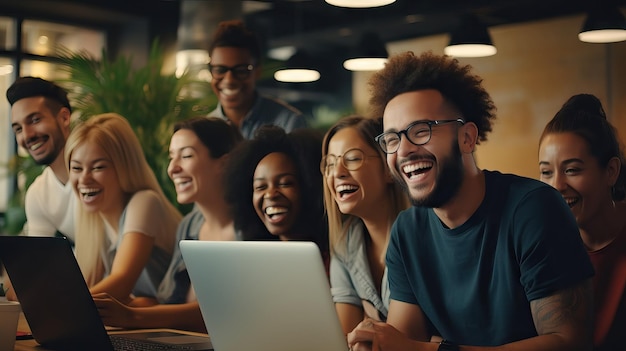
604	25
360	3
470	39
299	68
365	64
297	75
369	55
470	50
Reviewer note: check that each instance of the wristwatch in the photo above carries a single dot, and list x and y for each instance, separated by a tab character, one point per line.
445	345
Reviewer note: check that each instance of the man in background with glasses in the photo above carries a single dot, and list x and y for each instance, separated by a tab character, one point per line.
482	259
235	66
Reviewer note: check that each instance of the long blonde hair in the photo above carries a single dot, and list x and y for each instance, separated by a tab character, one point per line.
115	136
339	223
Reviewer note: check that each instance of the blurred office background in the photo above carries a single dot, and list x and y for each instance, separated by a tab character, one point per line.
539	61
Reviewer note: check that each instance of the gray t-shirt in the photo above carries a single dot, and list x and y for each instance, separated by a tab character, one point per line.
175	285
351	279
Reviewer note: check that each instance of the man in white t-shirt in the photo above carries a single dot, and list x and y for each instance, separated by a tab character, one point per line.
40	118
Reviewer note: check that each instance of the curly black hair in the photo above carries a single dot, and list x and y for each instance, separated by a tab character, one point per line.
303	147
234	33
583	115
406	72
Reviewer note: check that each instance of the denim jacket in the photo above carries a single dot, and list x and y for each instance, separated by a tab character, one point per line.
350	277
267	110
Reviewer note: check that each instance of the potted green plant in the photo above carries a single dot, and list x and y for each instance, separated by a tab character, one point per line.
28	170
3	292
151	100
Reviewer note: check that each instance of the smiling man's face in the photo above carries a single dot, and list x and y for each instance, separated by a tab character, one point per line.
39	130
234	93
432	173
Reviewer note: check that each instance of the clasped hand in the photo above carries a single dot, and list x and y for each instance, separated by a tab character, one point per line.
371	335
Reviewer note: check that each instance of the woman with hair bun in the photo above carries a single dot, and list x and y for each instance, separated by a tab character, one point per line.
581	156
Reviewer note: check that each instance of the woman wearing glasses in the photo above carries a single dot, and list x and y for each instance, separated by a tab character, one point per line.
362	202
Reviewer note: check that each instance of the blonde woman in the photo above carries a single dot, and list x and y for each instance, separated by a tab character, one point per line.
199	151
362	202
125	226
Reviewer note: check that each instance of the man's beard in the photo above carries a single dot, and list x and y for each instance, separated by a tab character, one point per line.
447	183
58	141
47	159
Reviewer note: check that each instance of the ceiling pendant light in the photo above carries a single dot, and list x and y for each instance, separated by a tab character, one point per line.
298	69
360	3
470	39
370	55
604	25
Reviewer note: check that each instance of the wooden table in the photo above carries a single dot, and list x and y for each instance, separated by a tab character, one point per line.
31	344
25	345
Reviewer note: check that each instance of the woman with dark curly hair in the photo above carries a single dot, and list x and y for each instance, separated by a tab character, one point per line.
581	156
274	187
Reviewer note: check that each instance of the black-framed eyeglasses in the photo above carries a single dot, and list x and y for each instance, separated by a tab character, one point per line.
418	133
352	160
240	72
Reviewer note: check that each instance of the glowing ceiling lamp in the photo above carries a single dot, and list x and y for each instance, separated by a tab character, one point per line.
604	25
360	3
298	69
370	55
470	39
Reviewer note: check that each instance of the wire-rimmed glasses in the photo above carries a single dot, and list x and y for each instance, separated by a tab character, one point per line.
352	160
240	72
418	133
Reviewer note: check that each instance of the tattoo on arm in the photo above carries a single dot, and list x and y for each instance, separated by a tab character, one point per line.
571	306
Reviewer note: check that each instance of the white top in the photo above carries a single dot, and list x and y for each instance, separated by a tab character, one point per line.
50	206
147	214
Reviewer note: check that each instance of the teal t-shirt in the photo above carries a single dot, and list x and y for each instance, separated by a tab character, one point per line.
475	282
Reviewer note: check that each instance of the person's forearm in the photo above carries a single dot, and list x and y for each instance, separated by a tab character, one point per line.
185	316
349	316
119	287
538	343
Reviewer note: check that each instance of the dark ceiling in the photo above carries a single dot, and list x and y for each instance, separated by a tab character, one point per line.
318	26
315	25
321	29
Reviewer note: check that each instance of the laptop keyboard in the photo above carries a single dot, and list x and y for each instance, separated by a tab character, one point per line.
121	343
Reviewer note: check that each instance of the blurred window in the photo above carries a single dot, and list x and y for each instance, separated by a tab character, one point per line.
41	42
52	39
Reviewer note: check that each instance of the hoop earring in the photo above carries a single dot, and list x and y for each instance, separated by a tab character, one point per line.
612	196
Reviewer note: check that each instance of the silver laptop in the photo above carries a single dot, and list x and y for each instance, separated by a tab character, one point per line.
58	306
264	296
